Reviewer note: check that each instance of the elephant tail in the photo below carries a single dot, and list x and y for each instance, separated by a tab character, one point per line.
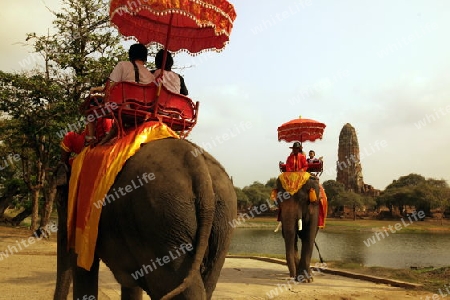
205	207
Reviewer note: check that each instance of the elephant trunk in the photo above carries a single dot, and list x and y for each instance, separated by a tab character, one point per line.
205	207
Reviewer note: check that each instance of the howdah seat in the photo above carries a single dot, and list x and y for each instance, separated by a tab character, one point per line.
316	167
136	103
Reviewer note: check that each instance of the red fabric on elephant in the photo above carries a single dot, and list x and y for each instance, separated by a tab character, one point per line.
323	207
75	142
93	173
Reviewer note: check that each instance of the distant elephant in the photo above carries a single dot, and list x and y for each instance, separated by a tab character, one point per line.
293	208
172	233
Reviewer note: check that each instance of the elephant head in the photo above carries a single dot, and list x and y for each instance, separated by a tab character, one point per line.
299	214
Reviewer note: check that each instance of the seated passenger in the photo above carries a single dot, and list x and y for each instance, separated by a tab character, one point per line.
296	161
133	70
312	157
172	81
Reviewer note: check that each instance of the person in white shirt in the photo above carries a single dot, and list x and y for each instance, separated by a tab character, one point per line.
311	157
133	70
171	80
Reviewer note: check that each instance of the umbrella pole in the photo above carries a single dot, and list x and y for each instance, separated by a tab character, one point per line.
166	46
163	66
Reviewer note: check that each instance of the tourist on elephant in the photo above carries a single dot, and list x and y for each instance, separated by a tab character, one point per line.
312	157
174	82
296	161
133	70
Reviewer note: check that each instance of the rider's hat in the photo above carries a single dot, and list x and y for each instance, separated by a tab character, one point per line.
296	145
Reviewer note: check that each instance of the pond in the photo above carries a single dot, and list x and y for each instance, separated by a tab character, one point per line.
393	251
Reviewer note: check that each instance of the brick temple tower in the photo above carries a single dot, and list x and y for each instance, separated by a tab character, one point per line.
348	166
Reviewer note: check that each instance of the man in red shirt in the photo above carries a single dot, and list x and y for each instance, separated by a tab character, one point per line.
296	161
74	142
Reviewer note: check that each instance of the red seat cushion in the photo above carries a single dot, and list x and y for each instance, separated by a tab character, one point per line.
315	167
136	101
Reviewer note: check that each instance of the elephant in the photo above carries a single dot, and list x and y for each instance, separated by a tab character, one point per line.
169	237
292	209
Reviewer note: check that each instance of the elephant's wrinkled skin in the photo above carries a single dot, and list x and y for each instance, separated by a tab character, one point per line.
186	206
293	208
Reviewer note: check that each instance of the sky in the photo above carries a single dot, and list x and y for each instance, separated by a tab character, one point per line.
382	66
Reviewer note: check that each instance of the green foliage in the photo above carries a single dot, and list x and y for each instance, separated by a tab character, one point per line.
333	189
258	193
415	190
36	106
337	196
242	199
406	181
271	183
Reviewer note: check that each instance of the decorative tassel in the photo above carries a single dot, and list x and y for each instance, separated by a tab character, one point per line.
312	195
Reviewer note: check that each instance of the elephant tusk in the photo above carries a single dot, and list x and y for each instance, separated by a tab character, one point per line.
300	224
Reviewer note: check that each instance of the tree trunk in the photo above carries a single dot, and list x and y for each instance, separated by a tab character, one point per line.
7	199
50	194
20	217
4	204
34	209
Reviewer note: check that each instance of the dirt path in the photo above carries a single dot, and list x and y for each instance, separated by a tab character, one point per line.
30	272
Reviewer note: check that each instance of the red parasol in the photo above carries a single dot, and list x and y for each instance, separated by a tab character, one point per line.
301	130
177	25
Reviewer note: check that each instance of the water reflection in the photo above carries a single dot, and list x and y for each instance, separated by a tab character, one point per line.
394	251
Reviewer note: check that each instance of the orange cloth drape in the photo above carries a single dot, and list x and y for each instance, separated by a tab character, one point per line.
323	207
293	181
93	173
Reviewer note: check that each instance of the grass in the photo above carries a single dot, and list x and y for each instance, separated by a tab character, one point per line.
431	279
340	225
373	225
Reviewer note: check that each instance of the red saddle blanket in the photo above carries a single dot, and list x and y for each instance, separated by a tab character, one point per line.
93	173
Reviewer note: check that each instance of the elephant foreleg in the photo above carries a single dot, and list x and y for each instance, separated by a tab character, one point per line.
308	236
131	293
304	270
64	273
85	283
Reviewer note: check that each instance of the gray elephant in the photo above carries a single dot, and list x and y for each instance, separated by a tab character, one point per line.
169	237
293	208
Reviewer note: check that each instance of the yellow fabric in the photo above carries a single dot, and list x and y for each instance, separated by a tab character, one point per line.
293	181
273	194
323	208
64	147
312	195
103	163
